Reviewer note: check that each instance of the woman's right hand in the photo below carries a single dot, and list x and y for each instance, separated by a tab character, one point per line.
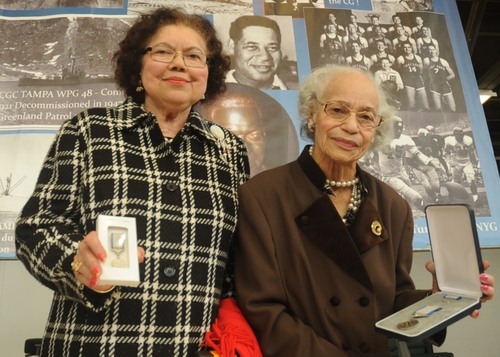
90	254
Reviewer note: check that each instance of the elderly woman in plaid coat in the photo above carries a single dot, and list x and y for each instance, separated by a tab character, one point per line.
155	159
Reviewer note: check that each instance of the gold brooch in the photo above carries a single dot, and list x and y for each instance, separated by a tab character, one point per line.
376	228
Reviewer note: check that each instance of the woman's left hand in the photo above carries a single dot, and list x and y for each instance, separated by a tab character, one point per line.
487	283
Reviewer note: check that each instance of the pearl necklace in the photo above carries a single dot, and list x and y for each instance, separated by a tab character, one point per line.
355	194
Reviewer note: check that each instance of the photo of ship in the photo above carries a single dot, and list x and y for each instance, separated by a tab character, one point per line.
8	201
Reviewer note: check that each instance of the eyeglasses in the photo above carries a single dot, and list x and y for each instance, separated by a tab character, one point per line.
162	53
340	112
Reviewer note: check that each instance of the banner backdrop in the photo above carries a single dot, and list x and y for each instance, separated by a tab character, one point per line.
55	61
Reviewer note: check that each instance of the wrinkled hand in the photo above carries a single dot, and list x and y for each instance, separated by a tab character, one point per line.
91	253
487	283
431	268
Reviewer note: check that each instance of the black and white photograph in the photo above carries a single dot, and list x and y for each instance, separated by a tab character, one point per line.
416	45
402	5
331	34
18	174
294	8
258	119
49	4
431	160
411	58
233	7
57	67
262	50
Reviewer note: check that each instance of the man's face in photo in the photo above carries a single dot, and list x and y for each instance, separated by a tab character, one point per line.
257	56
356	48
407	48
245	121
331	29
398	129
432	51
352	29
459	135
379	32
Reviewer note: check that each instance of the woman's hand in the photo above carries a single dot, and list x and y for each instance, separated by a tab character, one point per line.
431	268
90	254
487	283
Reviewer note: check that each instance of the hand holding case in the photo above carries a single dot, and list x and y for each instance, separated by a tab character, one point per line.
457	257
118	236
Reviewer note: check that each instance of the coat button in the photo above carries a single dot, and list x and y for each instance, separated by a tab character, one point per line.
364	348
346	345
305	220
169	272
364	301
171	186
335	301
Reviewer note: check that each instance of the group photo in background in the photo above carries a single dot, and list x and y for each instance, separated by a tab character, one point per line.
56	62
432	158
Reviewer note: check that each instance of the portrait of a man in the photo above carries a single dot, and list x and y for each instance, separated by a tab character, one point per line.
259	120
258	60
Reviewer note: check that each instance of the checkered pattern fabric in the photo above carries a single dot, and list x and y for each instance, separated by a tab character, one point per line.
183	195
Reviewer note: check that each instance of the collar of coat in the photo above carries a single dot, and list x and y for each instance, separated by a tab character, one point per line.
130	116
323	225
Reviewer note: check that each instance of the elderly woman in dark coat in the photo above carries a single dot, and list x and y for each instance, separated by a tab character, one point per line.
324	249
155	159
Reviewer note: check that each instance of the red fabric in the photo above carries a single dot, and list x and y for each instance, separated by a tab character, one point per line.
231	333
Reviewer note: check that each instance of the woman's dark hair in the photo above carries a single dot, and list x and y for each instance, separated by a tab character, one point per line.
128	59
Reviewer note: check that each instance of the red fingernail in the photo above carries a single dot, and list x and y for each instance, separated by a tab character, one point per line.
477	314
101	257
93	282
483	277
485	287
95	271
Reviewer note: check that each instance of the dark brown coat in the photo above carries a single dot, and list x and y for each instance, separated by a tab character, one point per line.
309	286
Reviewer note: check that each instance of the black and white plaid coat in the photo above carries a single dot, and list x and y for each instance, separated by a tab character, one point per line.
115	161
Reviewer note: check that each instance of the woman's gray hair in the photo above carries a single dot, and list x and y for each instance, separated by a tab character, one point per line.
311	91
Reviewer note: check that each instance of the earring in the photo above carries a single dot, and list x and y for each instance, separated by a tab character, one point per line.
139	88
203	97
311	127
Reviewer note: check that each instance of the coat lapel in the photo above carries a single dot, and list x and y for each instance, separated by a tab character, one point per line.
324	227
364	228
